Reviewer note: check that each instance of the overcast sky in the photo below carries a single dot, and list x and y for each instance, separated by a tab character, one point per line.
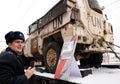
19	14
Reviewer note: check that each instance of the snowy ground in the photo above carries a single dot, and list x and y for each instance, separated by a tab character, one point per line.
101	76
98	76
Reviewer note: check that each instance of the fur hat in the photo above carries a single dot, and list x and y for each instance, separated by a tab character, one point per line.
14	35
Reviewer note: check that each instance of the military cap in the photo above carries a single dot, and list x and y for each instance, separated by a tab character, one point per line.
14	35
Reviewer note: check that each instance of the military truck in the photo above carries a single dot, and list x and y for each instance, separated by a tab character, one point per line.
68	18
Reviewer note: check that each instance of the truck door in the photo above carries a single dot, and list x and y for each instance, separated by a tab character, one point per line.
95	18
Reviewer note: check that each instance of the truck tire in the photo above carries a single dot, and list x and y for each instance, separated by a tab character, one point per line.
94	60
51	56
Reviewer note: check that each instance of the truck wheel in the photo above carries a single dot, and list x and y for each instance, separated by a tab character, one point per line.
51	56
95	59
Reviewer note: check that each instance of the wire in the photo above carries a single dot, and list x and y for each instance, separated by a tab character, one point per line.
28	9
112	3
112	49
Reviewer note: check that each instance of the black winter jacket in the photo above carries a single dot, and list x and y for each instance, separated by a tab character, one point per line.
11	69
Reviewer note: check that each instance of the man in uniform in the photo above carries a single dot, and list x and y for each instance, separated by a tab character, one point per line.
11	68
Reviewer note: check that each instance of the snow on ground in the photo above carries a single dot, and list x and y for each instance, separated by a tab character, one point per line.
98	76
101	76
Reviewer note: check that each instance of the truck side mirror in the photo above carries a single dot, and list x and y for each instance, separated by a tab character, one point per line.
103	7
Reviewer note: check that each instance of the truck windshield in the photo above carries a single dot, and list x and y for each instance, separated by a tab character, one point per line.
32	27
95	6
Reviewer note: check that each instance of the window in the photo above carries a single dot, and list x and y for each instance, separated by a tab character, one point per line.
32	28
95	6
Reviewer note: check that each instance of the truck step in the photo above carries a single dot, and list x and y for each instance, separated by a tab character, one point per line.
85	72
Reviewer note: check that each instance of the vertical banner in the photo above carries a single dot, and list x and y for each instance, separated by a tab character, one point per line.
67	65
